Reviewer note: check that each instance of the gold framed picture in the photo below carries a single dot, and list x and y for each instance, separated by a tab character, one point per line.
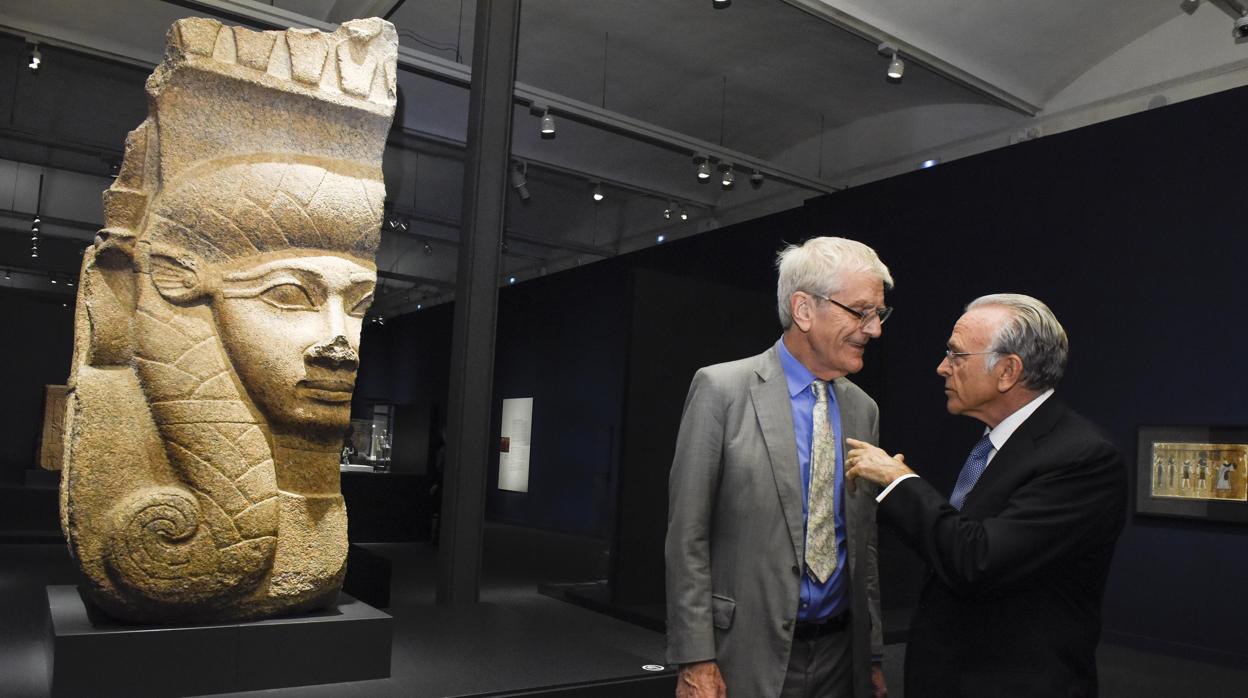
1193	472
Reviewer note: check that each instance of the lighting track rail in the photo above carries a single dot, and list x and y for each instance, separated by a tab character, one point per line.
432	66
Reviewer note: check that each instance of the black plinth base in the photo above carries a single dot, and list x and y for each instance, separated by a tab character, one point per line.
100	657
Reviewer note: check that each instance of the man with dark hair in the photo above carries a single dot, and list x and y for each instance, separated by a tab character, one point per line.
1020	552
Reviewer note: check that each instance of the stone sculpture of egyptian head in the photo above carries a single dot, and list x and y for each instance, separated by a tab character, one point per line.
218	326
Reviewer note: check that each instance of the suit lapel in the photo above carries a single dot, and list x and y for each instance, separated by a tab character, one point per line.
772	406
1020	445
853	425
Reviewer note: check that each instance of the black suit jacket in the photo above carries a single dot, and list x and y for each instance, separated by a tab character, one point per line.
1013	603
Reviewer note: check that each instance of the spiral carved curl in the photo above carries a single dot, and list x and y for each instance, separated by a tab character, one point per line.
160	545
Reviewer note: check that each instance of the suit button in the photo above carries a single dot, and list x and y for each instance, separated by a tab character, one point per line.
797	570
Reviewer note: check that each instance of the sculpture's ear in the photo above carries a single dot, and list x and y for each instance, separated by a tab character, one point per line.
179	276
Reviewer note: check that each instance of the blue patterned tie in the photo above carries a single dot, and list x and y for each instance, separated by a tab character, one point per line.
974	467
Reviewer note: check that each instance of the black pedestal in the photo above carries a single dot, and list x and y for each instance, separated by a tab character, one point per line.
368	576
101	657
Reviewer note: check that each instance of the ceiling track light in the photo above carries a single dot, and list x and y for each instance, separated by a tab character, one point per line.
667	211
547	128
721	4
397	224
727	179
598	195
756	179
704	166
896	66
428	249
684	213
34	59
520	181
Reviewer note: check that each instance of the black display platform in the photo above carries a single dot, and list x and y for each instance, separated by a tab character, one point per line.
88	654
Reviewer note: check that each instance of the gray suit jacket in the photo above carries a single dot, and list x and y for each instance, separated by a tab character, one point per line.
734	536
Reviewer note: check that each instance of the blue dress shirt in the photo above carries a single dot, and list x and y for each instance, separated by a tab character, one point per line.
817	601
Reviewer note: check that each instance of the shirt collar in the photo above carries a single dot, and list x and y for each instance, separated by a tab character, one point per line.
796	375
1010	424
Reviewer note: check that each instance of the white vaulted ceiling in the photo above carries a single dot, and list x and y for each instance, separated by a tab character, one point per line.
794	89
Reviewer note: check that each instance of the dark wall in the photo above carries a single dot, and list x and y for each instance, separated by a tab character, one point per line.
562	342
681	322
1130	231
36	352
405	363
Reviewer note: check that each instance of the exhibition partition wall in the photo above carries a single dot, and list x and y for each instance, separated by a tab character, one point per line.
1130	230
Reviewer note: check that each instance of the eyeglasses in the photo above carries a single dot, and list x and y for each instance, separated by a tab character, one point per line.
954	357
864	316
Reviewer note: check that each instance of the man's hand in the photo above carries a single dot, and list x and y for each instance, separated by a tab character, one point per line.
700	680
878	688
871	463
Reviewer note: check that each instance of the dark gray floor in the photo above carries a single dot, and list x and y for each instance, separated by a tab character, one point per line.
516	638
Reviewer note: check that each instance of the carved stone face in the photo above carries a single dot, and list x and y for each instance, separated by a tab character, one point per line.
291	328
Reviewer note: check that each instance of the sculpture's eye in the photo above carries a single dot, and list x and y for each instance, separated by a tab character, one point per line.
287	297
361	307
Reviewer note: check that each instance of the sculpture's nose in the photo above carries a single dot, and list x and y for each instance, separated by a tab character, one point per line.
335	354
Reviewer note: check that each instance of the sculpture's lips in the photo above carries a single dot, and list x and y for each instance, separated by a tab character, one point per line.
327	390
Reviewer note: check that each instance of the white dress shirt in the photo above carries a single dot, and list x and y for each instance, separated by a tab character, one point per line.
997	436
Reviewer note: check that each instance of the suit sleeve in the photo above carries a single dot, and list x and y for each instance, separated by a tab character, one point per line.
869	491
1045	518
693	486
873	560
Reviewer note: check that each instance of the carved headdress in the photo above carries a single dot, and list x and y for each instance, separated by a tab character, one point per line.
259	146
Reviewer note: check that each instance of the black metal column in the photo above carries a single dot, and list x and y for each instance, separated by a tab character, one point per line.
476	299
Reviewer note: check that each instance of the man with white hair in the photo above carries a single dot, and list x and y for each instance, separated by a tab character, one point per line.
772	583
1020	551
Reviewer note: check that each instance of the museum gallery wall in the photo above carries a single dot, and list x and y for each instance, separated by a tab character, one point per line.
1130	230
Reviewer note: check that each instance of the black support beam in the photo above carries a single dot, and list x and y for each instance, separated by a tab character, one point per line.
476	300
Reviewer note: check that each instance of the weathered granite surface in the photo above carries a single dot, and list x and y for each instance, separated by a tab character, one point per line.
218	326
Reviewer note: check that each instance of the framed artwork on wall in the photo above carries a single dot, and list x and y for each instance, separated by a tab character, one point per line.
1198	472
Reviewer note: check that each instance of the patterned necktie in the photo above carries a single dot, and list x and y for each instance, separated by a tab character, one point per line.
821	500
974	467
